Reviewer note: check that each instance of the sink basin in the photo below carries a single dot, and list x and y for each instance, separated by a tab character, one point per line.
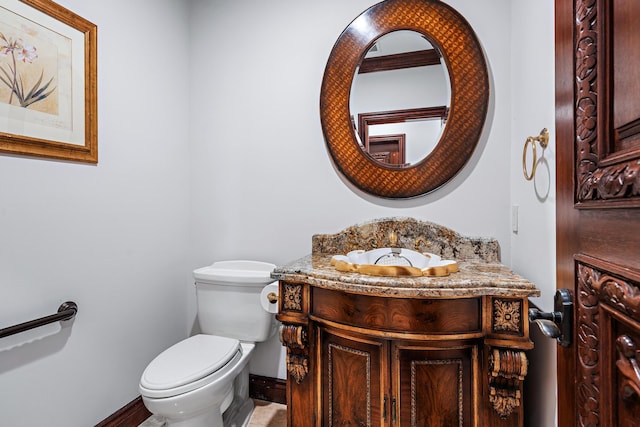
393	262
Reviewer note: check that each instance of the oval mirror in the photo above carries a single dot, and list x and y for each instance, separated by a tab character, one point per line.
399	99
453	39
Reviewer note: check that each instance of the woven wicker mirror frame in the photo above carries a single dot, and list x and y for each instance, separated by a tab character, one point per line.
452	35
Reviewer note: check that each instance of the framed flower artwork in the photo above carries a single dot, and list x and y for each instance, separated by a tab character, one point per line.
48	82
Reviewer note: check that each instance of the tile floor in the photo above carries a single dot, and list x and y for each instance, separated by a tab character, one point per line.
268	414
265	414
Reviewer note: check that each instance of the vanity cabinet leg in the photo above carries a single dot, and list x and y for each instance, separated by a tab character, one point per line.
507	371
300	396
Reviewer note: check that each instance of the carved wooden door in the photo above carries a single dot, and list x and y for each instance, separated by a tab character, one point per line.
353	384
378	382
434	386
598	209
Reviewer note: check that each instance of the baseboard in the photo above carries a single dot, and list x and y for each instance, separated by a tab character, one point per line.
134	412
130	415
267	388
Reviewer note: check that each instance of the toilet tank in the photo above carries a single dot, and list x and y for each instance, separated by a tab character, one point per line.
228	294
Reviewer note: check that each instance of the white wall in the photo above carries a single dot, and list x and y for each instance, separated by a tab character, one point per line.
533	245
112	237
263	181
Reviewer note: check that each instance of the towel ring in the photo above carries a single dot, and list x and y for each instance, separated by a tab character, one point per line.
543	139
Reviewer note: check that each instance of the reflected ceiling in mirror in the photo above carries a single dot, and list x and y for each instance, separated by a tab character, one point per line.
451	36
399	99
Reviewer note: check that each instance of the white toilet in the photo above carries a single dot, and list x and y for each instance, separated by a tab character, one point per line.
204	380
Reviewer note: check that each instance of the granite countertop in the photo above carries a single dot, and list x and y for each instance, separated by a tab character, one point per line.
480	271
474	279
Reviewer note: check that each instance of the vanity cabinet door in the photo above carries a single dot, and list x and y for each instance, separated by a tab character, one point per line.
352	381
434	386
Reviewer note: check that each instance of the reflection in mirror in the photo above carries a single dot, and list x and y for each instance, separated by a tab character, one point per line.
399	99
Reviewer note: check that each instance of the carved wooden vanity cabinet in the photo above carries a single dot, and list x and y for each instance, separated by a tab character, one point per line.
404	351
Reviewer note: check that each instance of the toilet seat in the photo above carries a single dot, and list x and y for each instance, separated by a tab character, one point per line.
188	365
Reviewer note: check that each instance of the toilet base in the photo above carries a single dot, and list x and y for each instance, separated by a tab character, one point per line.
239	411
208	419
238	416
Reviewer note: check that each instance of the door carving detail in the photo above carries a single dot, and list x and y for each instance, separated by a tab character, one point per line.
587	99
598	200
620	294
594	180
623	296
588	394
627	364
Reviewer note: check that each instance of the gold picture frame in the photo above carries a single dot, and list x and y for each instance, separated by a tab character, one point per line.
48	82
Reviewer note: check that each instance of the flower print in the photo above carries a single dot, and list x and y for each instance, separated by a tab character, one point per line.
18	50
25	52
7	47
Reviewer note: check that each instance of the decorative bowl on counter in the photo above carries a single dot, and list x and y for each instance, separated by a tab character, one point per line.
393	262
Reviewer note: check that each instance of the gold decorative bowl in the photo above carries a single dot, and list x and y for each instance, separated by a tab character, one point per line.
393	262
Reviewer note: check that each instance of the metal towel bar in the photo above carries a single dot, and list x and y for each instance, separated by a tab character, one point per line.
66	311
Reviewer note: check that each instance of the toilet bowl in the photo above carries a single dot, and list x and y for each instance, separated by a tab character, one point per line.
204	380
188	388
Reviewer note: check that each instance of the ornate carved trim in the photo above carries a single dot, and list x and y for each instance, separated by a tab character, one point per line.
594	287
360	353
509	364
593	181
612	182
588	343
622	295
586	96
293	336
414	386
297	366
507	316
292	297
507	370
628	366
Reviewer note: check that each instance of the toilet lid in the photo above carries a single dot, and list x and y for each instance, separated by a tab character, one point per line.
188	361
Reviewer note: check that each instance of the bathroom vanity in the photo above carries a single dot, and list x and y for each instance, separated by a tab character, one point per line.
404	351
